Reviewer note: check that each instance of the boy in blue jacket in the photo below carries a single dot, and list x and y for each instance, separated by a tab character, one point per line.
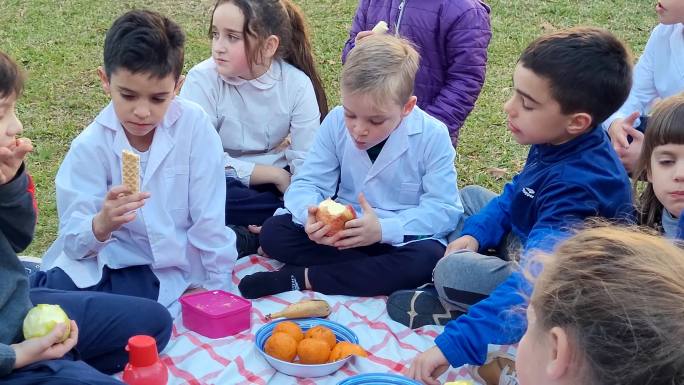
564	85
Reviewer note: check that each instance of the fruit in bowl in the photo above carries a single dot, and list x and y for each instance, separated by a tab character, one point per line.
335	215
313	357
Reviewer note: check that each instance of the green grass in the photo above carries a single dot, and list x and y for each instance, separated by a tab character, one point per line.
59	43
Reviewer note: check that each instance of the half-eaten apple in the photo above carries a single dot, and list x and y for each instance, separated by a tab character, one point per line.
335	215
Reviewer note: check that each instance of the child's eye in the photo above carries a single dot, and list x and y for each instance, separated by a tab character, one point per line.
128	96
232	37
349	116
214	35
665	162
377	123
158	100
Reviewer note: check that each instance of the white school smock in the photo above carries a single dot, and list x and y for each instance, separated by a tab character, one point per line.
253	117
659	73
180	231
411	185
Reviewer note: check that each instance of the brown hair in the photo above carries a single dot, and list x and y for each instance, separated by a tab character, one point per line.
618	293
382	65
665	126
284	19
11	77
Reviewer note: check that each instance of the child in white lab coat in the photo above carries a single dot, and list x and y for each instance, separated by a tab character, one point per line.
171	236
265	98
388	159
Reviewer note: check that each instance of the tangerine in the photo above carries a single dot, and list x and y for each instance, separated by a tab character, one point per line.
344	349
290	328
313	351
281	346
321	332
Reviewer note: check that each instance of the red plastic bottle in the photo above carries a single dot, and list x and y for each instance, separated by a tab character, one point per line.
144	366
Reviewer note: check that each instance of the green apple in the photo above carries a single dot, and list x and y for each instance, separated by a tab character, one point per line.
42	318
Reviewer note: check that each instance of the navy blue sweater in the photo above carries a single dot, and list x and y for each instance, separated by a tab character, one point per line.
558	187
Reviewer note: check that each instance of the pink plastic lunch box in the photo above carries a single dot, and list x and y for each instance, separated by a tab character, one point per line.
216	313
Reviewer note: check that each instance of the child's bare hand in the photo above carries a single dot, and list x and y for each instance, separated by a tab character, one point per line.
362	231
45	348
630	156
466	242
11	158
361	35
618	130
317	230
428	366
118	209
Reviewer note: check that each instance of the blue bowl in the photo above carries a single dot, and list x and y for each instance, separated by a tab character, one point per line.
342	333
378	379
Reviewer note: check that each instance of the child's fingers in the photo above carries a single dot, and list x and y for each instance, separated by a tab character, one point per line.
350	242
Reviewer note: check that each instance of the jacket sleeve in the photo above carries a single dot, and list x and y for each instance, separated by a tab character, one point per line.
494	220
18	210
466	37
643	91
439	207
317	179
358	25
207	232
7	359
304	121
465	340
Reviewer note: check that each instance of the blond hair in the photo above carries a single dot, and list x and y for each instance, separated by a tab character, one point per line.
665	126
383	66
620	295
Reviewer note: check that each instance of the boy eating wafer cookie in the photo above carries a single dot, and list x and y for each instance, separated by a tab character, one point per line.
130	222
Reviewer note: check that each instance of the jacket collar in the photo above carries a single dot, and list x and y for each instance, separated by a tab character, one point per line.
263	82
551	153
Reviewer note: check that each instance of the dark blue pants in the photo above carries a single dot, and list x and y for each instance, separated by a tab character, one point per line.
378	269
250	205
135	281
105	323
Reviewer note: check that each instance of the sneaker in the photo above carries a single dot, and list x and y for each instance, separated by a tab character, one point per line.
420	307
31	264
499	369
246	242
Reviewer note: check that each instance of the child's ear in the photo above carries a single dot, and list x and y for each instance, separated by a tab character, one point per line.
579	123
408	107
561	353
104	80
271	46
179	84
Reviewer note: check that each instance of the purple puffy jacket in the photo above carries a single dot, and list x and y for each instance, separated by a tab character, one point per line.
452	38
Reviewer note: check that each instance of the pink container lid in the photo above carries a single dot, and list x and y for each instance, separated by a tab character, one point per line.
215	303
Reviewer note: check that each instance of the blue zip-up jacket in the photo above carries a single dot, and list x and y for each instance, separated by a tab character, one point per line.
558	187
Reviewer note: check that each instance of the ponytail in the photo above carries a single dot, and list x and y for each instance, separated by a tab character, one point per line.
300	53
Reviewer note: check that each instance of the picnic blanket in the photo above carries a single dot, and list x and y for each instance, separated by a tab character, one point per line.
194	359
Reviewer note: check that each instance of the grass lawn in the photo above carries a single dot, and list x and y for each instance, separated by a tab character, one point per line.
59	43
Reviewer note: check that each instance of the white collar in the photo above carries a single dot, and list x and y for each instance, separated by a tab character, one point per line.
263	82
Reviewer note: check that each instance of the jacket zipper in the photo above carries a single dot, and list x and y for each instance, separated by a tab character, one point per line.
401	14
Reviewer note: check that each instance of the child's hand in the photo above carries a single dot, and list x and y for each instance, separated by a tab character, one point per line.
11	158
630	156
466	242
362	231
361	35
317	230
45	348
118	209
428	366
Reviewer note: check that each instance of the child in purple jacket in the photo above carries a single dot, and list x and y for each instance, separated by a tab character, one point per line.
452	39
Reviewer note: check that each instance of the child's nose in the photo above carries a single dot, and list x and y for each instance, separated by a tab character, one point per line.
508	106
142	112
15	126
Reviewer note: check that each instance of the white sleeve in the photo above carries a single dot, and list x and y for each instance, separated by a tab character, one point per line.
643	91
208	233
304	122
318	176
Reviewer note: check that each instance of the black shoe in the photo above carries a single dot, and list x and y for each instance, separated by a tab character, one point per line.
420	307
246	242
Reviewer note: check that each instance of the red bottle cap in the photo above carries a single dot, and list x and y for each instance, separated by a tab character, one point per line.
142	351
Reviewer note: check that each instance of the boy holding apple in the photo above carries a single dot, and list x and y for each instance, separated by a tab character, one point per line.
387	159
